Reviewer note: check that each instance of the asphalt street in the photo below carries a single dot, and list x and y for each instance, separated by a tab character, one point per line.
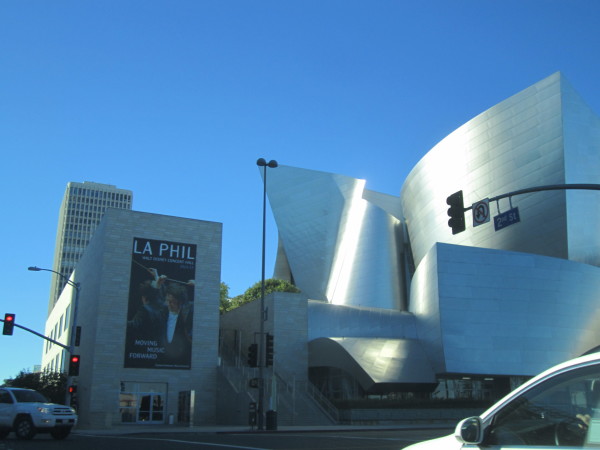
187	439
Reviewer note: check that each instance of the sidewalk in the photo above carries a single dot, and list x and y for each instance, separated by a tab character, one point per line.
146	429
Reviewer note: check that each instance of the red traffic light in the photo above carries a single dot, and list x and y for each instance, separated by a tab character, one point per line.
72	389
9	324
74	365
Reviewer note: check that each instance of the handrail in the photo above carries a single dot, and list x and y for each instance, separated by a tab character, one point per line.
239	374
309	389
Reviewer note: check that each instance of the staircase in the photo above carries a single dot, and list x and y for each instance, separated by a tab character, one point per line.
295	402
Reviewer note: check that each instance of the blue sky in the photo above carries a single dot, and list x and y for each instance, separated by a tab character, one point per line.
176	100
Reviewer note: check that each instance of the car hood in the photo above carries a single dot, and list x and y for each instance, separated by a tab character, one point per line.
53	407
39	404
446	443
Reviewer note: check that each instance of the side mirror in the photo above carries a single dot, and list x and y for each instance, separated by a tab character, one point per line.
469	431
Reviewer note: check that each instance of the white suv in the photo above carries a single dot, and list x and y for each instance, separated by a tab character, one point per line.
26	412
558	408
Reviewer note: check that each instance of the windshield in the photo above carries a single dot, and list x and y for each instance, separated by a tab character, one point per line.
557	412
29	396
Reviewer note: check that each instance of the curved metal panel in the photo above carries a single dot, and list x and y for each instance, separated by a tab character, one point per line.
582	165
504	313
339	242
510	302
531	139
325	320
371	361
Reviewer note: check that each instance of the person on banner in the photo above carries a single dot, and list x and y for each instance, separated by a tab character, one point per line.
146	322
177	329
160	282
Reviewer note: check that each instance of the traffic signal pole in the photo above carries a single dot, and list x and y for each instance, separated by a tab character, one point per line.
456	202
66	347
70	391
552	187
75	330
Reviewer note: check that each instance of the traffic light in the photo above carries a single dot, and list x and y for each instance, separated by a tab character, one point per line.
456	212
74	402
253	355
74	365
9	324
269	350
252	414
77	336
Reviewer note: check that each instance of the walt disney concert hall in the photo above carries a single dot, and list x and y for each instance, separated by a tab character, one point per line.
396	302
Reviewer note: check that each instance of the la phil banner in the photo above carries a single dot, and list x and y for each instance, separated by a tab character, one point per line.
160	312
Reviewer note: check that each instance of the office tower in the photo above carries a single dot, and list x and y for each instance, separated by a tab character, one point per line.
80	213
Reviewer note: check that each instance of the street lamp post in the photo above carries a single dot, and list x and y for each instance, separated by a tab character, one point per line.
261	353
77	287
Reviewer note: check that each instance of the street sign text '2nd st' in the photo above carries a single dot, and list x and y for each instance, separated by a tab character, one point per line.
507	218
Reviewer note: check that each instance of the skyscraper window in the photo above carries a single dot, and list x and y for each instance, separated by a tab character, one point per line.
79	206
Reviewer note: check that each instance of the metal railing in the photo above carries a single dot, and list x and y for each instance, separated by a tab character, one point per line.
307	388
238	374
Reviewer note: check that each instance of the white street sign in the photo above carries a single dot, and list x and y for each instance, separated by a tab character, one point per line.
481	212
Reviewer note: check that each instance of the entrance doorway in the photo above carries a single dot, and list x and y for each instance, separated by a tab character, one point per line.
142	403
151	408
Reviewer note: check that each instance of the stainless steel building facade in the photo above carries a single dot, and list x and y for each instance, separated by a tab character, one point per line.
398	302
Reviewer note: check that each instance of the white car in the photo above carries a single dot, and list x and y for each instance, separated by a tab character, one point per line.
27	412
560	408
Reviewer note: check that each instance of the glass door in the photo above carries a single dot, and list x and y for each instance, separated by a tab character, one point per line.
142	403
151	408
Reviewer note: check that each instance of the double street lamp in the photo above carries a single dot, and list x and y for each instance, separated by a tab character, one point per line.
261	353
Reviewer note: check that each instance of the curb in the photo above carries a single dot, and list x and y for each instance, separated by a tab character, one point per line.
149	429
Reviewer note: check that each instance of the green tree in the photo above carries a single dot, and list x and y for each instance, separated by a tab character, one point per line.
254	292
224	301
52	384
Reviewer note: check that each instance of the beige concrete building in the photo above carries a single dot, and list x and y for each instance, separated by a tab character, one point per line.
144	361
